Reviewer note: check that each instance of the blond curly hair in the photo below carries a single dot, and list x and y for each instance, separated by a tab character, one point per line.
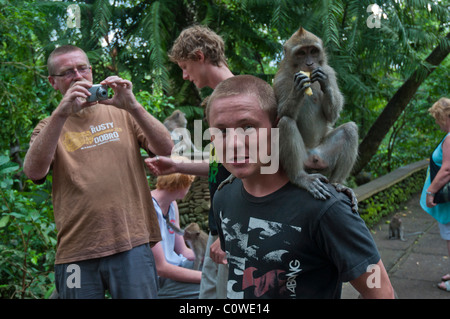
440	110
198	38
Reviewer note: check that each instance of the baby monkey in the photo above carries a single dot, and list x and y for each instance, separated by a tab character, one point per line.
396	228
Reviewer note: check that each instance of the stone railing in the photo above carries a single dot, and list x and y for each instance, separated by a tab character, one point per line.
383	195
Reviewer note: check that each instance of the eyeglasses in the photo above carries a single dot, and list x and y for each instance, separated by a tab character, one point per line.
72	72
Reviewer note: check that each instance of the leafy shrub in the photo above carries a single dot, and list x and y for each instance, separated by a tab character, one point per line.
157	104
27	237
388	200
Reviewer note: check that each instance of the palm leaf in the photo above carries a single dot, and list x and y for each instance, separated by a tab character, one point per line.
154	31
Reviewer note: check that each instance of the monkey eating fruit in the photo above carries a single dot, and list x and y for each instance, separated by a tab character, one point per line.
308	91
312	152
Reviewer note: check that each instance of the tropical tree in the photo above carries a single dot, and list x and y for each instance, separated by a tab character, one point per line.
398	103
376	48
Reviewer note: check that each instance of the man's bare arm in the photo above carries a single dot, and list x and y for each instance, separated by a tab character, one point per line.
374	288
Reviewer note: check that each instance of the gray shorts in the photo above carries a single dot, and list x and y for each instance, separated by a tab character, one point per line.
445	231
127	275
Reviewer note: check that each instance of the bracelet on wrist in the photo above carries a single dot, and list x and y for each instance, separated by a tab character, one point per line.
431	194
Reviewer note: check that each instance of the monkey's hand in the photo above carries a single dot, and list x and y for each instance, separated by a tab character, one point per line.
319	75
349	192
314	184
301	82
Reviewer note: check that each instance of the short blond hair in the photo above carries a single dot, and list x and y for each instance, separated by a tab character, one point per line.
247	85
440	110
62	50
198	38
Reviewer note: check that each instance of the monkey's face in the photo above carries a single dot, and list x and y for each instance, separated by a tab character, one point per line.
305	58
239	127
192	231
303	52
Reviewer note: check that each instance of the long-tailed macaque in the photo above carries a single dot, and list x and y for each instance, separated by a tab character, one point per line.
396	228
308	141
197	240
175	120
176	124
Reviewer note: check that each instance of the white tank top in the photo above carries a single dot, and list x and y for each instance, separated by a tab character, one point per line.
168	235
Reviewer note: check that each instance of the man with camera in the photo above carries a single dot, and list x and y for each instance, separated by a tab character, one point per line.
103	209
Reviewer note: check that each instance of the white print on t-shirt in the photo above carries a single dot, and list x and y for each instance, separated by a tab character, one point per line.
101	127
264	234
97	135
294	269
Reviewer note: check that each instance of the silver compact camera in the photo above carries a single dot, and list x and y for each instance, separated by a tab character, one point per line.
98	92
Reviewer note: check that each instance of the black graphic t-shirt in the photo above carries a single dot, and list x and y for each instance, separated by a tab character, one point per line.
288	245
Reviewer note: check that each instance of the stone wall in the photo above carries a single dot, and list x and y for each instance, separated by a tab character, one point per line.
194	207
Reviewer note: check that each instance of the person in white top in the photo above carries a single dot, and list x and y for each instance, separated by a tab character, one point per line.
174	260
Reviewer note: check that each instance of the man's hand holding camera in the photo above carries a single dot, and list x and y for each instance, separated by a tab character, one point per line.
123	93
75	99
84	94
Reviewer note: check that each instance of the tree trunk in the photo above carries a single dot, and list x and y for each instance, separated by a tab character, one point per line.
396	105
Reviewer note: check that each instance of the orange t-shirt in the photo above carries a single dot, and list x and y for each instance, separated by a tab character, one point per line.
101	198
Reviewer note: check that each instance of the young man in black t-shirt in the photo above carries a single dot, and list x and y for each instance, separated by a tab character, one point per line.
281	242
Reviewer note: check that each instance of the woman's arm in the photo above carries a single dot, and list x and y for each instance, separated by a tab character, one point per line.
442	177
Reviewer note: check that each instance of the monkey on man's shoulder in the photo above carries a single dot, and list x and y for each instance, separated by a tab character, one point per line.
311	150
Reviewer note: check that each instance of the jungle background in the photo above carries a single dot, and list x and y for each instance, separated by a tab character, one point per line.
391	64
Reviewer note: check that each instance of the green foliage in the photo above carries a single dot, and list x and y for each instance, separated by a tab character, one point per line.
24	93
388	200
159	105
415	134
27	237
133	37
